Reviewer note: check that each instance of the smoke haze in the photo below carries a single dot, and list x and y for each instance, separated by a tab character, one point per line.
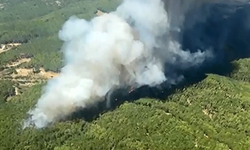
143	42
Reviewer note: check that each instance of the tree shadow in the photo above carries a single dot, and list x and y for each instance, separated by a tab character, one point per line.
226	30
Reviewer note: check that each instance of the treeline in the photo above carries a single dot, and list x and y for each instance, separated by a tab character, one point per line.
241	70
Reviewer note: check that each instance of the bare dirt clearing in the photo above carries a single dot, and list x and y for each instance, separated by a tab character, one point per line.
22	77
19	62
99	13
7	47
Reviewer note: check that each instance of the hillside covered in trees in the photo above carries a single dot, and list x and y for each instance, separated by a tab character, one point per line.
211	113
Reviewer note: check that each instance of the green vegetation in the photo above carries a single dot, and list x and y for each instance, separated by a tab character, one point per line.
6	90
211	114
36	24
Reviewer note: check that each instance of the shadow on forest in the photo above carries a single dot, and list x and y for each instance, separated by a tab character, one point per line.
226	30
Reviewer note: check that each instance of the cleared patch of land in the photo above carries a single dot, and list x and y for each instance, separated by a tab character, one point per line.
21	78
7	47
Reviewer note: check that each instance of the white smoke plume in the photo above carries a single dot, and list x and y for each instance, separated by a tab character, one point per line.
127	47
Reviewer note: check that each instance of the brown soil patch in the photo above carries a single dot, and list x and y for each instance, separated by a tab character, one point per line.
42	74
20	61
58	3
189	102
7	47
206	112
99	13
23	77
48	74
23	72
26	78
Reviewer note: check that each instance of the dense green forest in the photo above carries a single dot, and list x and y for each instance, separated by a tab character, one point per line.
210	114
36	24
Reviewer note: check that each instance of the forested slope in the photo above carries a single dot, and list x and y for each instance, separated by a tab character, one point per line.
210	114
36	24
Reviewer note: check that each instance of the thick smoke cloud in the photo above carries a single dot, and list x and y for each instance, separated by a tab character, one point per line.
226	25
142	43
220	26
